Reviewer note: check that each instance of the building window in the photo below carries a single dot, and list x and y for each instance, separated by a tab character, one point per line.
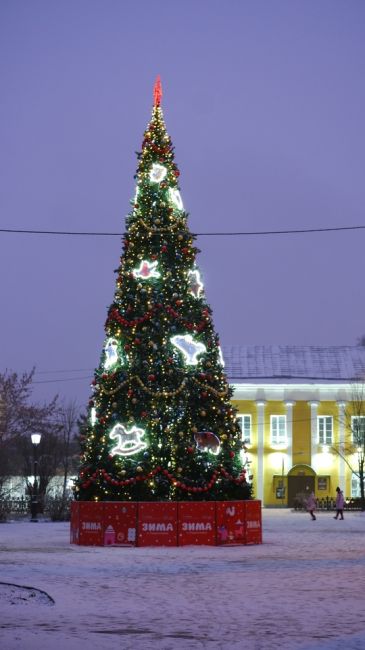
325	429
358	430
278	429
355	486
322	483
245	422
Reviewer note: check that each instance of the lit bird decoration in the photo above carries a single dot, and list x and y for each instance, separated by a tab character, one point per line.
189	348
146	270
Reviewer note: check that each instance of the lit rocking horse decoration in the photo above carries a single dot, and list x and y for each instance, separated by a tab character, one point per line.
128	442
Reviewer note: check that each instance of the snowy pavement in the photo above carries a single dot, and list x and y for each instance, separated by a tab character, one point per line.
302	589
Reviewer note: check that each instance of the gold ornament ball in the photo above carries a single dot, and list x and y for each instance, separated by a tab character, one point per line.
134	400
194	429
203	413
224	436
114	405
123	472
139	469
181	434
179	470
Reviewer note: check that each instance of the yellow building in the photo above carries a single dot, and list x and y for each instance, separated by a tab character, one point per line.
296	405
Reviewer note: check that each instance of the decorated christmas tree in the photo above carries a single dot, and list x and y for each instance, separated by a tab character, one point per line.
160	422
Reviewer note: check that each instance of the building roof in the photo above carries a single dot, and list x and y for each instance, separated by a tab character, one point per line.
294	362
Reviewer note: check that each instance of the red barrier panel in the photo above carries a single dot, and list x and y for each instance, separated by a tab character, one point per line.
120	523
74	522
157	523
230	522
253	524
196	523
170	523
91	523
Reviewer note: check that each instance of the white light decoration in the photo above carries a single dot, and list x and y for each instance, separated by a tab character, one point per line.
128	442
190	349
111	353
93	416
175	197
220	356
146	270
157	173
207	441
195	284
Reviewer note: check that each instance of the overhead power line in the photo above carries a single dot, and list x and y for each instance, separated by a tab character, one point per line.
248	233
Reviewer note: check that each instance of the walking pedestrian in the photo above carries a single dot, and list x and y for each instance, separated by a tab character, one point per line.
340	502
311	504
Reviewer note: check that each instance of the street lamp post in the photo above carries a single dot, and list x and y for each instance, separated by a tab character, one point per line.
36	438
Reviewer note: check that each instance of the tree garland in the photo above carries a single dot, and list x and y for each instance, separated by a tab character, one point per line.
102	473
164	394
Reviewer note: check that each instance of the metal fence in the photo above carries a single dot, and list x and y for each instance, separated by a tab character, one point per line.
328	503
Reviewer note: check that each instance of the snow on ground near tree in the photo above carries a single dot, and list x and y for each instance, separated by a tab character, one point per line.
303	588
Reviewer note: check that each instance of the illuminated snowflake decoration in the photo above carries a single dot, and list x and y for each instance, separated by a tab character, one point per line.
146	271
189	348
195	284
175	197
129	442
157	173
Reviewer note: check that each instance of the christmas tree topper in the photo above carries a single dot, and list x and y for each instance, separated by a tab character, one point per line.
157	91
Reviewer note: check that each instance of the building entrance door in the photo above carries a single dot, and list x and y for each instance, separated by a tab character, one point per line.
299	487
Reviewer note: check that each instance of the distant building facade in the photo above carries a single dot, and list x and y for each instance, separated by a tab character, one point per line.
293	404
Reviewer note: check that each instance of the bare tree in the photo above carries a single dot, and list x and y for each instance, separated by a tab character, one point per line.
19	418
68	419
352	449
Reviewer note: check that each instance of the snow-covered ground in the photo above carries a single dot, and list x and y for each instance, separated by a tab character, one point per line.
303	588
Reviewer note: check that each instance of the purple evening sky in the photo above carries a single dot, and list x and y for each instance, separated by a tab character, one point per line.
265	104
